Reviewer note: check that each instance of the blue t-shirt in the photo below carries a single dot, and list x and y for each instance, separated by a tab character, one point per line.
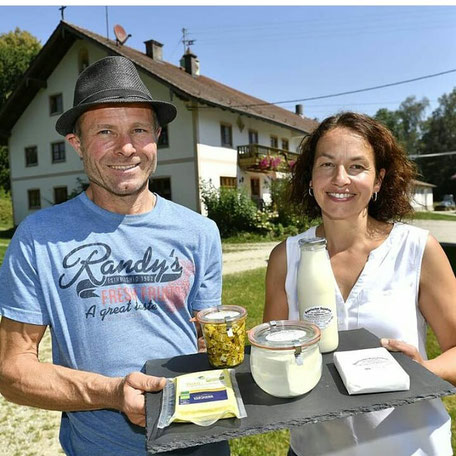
115	290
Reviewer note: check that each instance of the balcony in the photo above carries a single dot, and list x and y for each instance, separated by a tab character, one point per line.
257	158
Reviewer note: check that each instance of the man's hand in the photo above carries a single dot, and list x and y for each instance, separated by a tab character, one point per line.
201	345
132	400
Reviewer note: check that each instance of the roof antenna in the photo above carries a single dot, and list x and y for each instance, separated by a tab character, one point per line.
185	41
62	9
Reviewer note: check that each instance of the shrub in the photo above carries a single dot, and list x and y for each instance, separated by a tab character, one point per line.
287	214
232	210
237	215
6	208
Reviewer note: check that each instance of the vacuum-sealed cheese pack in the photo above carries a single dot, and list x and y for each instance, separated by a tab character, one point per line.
370	370
201	398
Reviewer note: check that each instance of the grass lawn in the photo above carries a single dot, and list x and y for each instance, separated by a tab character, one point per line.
31	432
435	216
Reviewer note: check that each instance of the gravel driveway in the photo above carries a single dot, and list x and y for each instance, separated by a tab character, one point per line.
243	257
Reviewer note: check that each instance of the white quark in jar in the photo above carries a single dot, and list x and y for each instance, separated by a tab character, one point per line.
316	291
285	361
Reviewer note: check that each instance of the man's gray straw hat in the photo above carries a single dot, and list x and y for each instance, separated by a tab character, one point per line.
111	80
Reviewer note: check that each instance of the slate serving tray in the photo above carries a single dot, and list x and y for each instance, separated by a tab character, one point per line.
328	400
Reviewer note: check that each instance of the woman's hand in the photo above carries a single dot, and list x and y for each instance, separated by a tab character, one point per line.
399	346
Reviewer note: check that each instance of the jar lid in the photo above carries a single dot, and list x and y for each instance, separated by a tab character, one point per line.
312	242
221	314
284	335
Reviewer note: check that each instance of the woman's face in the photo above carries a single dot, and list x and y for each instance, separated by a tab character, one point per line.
343	174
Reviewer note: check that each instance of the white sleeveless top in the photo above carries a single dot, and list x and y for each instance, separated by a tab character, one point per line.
384	300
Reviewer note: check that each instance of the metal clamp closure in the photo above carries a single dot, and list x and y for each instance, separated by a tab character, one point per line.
298	352
229	324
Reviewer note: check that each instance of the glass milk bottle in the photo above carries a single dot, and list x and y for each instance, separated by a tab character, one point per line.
316	292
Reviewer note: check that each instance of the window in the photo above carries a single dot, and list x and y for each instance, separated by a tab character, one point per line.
163	140
274	142
34	199
253	137
285	144
83	59
161	186
60	194
58	152
255	187
31	156
228	182
226	135
55	104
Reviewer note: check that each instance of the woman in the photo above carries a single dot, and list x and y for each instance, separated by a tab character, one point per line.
392	279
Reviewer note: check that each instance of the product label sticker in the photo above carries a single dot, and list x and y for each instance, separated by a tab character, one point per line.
320	316
187	398
372	363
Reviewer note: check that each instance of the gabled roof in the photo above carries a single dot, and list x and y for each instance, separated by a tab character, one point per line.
201	89
418	183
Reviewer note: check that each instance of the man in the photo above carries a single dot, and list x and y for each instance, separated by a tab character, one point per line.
116	273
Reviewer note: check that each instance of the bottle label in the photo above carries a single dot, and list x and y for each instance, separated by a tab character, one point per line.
320	316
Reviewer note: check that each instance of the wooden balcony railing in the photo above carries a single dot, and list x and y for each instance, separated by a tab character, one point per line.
254	157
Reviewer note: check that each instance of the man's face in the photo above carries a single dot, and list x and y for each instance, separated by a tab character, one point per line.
118	147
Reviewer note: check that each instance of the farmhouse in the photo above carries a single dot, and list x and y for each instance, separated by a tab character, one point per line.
221	136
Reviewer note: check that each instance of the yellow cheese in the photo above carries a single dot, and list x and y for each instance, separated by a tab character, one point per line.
205	397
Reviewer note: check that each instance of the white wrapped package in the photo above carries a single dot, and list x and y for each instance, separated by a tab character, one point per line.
371	370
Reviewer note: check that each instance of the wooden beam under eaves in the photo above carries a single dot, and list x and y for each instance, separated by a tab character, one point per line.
34	82
4	135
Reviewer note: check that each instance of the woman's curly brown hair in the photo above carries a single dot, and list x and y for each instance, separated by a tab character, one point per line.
393	201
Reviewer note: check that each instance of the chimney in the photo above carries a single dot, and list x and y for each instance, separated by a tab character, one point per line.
154	50
190	63
299	110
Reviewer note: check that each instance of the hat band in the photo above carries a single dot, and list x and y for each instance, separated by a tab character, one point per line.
114	93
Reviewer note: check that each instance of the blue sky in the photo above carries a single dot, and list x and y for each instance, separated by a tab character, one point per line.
290	52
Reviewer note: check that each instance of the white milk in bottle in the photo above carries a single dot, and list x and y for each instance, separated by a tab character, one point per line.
316	292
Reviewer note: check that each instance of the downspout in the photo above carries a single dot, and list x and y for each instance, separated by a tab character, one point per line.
11	183
195	128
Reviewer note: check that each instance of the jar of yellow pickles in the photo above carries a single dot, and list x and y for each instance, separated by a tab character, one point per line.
224	333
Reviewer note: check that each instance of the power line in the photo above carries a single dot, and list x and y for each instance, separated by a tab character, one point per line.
349	92
438	154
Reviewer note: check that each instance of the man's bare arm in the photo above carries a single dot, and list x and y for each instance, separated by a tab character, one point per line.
27	381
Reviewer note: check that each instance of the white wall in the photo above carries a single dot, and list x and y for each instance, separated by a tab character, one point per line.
46	186
423	199
178	160
36	127
210	119
214	162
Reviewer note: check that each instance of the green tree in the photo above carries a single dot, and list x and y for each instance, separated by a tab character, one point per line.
406	122
17	50
439	135
411	113
4	169
391	120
